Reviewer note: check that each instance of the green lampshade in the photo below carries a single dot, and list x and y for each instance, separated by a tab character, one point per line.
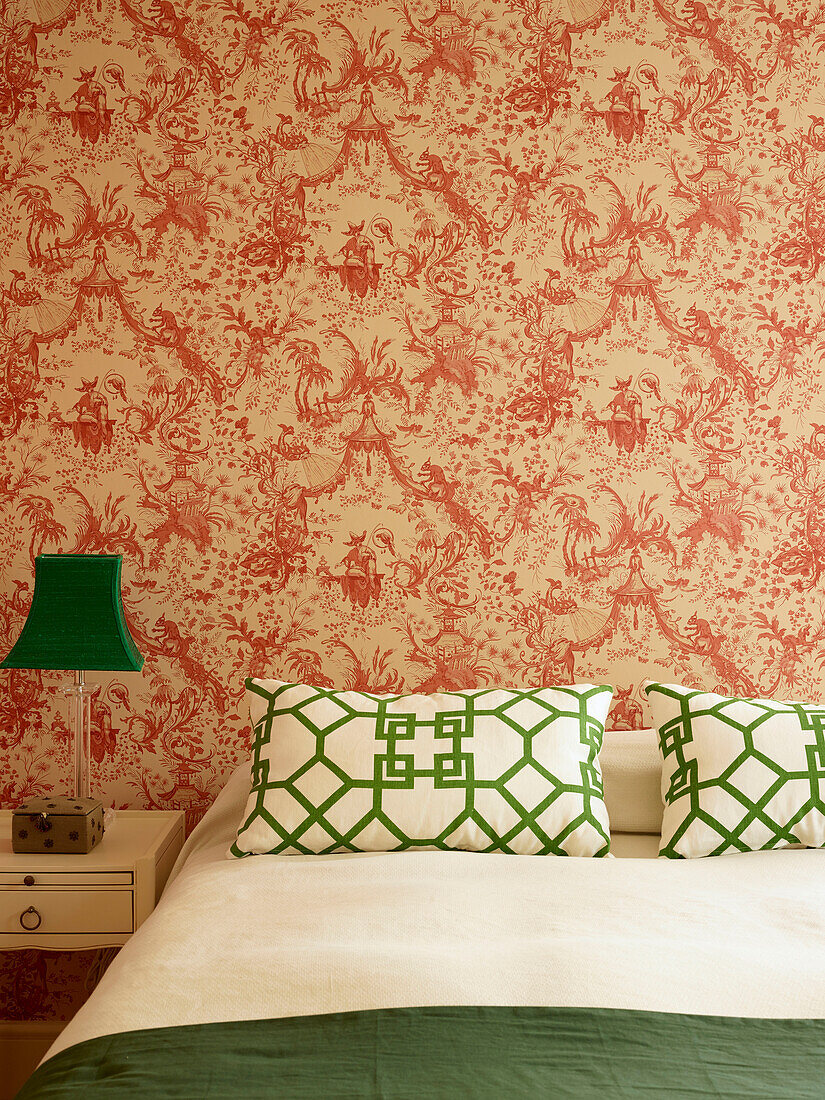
76	619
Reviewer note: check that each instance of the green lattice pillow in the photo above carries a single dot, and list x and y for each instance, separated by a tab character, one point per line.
486	770
738	775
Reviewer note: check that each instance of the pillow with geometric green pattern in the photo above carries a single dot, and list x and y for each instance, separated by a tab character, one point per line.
489	770
738	775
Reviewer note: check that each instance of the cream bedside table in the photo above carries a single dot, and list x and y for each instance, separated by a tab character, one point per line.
82	902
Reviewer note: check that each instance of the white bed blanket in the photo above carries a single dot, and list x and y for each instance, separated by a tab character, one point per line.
273	936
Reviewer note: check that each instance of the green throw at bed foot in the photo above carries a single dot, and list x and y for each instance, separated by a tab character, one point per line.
426	1053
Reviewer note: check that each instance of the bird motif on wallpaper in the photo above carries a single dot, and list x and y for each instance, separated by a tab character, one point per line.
786	33
165	21
699	23
547	47
106	218
260	29
374	64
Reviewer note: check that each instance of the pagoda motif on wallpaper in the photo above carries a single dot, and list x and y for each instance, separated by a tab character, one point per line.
403	346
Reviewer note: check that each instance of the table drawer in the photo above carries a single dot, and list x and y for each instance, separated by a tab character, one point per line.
30	877
65	911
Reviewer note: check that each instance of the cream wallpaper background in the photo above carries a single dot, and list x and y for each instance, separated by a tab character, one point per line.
403	346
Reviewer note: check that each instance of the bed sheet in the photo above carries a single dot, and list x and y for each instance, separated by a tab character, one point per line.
280	936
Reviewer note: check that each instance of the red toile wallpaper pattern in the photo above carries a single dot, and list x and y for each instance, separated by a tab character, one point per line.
406	345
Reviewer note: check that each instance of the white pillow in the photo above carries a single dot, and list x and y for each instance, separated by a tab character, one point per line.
490	770
632	775
738	775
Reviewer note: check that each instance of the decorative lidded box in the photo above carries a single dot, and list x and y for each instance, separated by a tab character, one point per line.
57	824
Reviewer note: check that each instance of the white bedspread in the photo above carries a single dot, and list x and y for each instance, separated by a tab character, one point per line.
276	936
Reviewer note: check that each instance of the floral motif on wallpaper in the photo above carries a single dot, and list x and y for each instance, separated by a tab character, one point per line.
407	345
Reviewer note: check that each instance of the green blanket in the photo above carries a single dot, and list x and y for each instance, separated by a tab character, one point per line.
425	1053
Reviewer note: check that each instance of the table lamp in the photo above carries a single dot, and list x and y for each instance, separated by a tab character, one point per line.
76	621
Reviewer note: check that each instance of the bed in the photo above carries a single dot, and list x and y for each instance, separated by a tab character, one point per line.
451	974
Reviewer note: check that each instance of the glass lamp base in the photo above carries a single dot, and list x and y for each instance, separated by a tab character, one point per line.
80	693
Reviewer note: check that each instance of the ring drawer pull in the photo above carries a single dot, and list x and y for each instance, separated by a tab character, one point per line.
31	913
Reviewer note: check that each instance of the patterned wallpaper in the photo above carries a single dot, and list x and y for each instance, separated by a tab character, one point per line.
406	345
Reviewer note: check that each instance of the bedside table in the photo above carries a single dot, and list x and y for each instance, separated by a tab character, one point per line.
82	902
